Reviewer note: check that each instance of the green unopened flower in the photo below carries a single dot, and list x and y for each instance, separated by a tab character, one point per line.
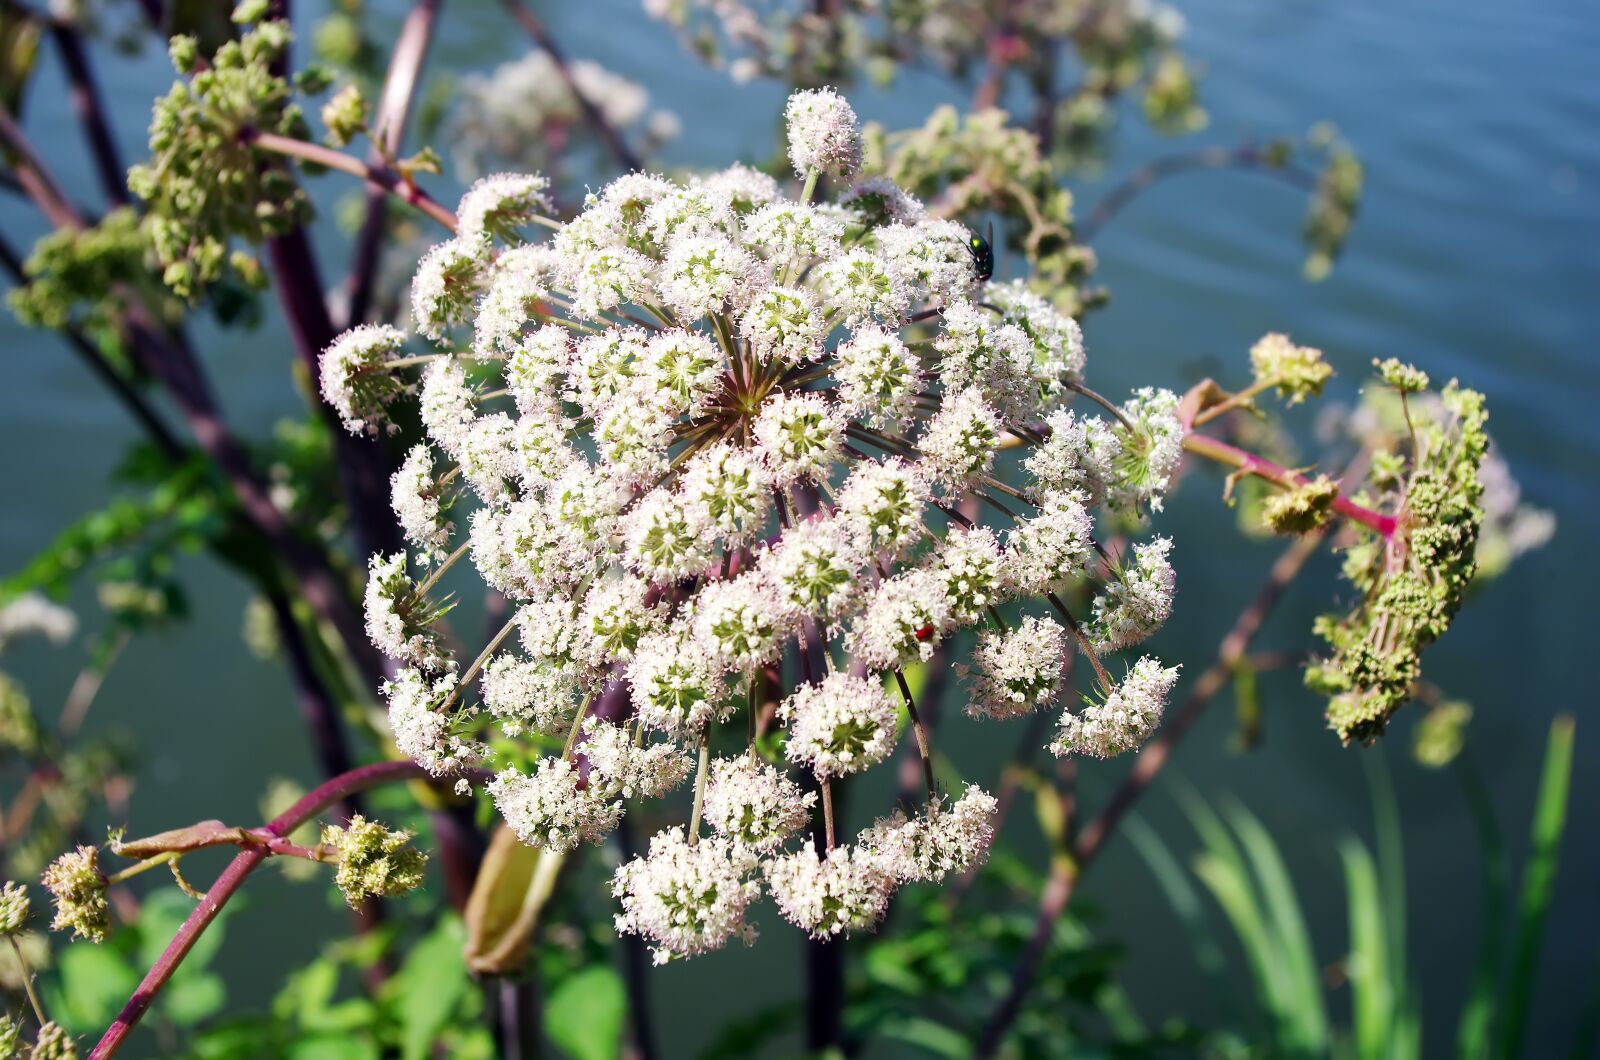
74	880
13	907
8	1037
1298	372
374	860
1408	379
1441	733
345	115
18	730
54	1043
1301	510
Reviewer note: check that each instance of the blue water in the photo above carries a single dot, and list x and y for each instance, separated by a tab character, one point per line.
1477	255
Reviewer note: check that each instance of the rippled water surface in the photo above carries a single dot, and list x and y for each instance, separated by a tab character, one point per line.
1477	255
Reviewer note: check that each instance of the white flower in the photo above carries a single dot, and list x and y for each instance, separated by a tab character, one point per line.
783	325
882	504
732	487
790	231
971	570
531	694
548	629
677	686
1050	548
1137	601
683	369
842	725
700	211
959	444
941	840
519	283
606	277
903	622
846	891
993	358
33	612
755	804
861	285
668	539
1124	720
399	620
552	809
800	436
614	617
421	731
1057	340
823	136
1150	454
604	365
498	205
935	255
1078	454
877	375
488	456
419	504
632	435
446	404
744	188
702	273
814	567
535	367
355	375
443	289
883	202
742	621
1015	671
687	898
622	769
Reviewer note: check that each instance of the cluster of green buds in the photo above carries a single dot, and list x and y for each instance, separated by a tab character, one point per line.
373	860
205	183
1413	577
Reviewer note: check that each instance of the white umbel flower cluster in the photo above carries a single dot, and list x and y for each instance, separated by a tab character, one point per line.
704	434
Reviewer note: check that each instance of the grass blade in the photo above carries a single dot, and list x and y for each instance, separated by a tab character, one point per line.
1368	965
1186	906
1288	926
1538	882
1477	1015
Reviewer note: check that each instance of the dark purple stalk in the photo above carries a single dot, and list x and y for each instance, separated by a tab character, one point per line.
86	102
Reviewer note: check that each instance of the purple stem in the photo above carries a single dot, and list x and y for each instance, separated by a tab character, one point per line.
239	869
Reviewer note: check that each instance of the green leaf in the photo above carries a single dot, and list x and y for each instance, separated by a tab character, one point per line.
1185	903
1478	1012
432	981
585	1014
1288	926
94	981
1538	882
1372	991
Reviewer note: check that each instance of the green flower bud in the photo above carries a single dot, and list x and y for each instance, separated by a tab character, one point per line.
13	907
79	890
345	115
1301	510
1403	377
249	12
1298	372
54	1043
373	860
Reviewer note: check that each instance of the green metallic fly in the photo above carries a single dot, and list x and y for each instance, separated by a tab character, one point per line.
982	251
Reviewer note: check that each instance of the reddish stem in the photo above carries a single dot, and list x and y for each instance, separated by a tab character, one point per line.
1251	464
238	870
